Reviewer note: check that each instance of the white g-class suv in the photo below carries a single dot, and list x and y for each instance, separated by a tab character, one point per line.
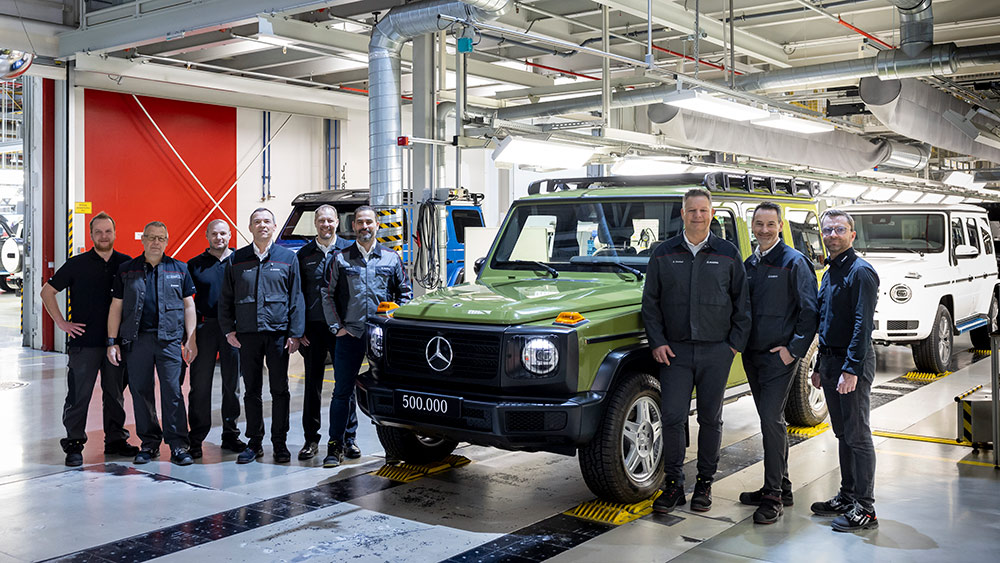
938	276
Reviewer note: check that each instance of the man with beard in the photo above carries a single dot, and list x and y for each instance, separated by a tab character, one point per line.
318	341
262	313
360	276
152	309
88	277
206	271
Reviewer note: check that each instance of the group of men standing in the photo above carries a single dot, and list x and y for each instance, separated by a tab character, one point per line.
702	304
133	317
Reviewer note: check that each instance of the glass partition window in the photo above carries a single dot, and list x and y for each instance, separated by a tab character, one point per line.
903	232
806	237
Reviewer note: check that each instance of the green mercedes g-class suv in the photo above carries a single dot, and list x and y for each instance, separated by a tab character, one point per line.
546	351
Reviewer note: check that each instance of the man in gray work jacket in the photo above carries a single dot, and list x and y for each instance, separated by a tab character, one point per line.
360	276
696	308
785	316
262	313
152	319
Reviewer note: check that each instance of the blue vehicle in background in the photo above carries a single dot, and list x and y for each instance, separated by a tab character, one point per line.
463	210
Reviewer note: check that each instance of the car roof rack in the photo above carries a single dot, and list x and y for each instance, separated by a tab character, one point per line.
714	181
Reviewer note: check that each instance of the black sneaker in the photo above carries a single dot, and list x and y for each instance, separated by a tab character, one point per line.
74	453
309	451
334	454
833	507
145	456
671	498
120	447
281	453
769	510
701	498
753	498
234	445
181	456
351	449
250	454
855	520
196	451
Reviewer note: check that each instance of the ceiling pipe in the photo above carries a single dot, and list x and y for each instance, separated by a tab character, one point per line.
401	24
916	25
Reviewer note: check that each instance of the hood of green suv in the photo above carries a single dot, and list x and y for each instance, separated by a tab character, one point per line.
521	301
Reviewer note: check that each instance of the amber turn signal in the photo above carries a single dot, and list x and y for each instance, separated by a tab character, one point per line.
387	307
570	318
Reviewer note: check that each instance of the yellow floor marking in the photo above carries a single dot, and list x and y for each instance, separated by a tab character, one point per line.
919	438
935	458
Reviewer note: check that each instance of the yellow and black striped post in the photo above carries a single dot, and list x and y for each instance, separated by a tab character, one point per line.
965	415
390	228
69	253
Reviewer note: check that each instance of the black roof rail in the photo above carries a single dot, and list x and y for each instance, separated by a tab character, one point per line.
714	181
725	181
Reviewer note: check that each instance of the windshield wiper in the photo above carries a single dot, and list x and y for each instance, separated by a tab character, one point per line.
542	265
625	268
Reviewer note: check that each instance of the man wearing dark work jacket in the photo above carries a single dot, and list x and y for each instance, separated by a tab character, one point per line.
206	270
784	318
262	313
845	371
696	308
318	341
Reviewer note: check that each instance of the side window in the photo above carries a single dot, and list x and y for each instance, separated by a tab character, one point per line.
987	238
957	233
970	224
753	239
806	238
724	226
462	218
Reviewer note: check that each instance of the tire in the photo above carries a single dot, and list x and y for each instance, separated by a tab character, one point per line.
981	336
624	461
933	354
3	285
407	445
806	405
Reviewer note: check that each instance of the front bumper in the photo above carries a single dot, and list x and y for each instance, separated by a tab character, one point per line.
510	423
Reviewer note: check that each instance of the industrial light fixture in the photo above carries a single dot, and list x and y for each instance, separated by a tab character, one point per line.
636	166
847	190
948	200
794	124
907	196
971	129
959	179
881	194
703	103
545	154
931	198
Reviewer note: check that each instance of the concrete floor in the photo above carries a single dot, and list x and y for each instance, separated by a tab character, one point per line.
934	501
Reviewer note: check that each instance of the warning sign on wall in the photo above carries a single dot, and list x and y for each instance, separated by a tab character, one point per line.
83	207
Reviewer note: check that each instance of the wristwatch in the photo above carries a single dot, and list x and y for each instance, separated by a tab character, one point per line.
112	341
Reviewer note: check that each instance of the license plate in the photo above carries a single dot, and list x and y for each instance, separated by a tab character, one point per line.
428	405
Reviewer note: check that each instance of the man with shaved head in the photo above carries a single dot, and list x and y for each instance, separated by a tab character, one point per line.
206	271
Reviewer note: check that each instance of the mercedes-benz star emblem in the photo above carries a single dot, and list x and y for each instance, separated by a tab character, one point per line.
439	353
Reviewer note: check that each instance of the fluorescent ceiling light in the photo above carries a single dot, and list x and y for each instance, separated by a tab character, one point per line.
11	177
948	200
547	154
794	124
648	167
11	146
907	196
703	103
846	189
881	194
972	200
931	198
958	179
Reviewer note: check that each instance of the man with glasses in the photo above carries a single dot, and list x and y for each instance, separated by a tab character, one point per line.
262	313
696	308
783	323
88	277
152	321
845	371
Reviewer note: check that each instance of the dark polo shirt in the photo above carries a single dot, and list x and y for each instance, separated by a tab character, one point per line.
89	278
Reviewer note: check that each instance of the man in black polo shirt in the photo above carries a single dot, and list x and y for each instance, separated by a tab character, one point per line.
206	270
318	341
845	371
152	309
88	277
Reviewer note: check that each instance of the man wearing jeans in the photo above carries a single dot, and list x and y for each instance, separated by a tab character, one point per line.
361	276
845	371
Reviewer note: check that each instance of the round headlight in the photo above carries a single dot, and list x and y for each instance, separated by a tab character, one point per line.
540	356
375	341
900	293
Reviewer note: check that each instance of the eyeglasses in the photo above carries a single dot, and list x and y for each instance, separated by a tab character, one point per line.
152	238
830	230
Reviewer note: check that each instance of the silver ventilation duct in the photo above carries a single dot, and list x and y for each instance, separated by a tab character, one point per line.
916	25
836	150
917	110
402	23
637	97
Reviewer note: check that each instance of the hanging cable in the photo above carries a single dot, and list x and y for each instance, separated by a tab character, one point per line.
426	263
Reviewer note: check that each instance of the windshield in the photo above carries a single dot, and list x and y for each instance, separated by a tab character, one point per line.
586	235
301	224
899	232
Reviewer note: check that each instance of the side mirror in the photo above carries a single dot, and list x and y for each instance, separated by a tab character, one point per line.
966	251
478	265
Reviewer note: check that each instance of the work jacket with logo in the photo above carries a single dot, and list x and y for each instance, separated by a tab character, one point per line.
173	284
312	267
356	287
262	295
701	298
783	300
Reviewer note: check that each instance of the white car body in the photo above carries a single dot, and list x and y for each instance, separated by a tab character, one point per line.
914	281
